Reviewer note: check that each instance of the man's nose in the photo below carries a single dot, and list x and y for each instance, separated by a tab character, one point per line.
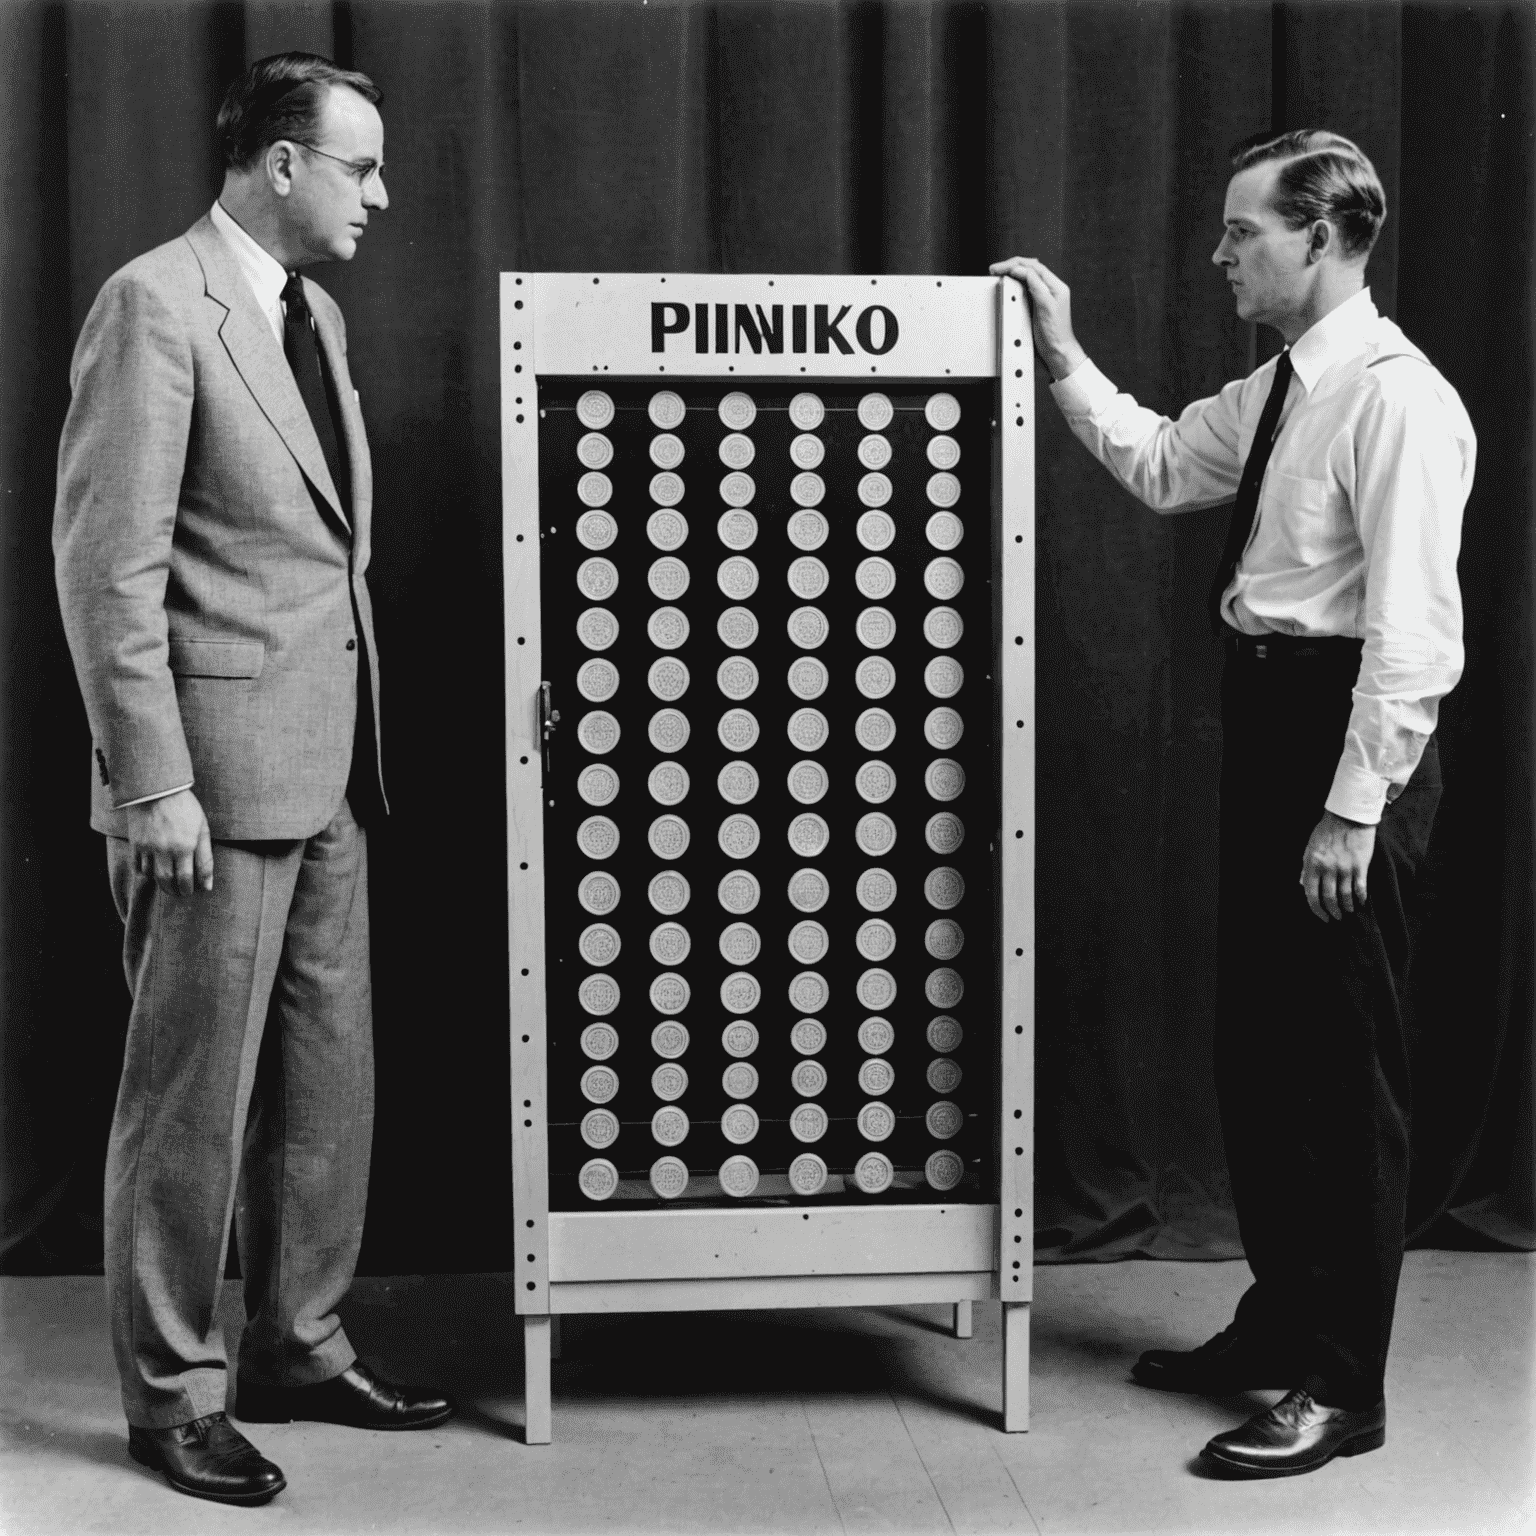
1221	255
374	195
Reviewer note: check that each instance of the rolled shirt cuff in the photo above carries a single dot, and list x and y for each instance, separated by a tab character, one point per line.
1084	391
159	794
1357	794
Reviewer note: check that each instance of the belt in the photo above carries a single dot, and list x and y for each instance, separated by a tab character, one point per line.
1335	648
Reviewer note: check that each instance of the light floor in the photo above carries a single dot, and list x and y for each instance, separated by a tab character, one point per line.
805	1421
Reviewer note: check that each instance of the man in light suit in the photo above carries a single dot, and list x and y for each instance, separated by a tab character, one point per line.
211	535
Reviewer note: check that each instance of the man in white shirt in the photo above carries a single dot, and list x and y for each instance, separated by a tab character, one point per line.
211	535
1350	459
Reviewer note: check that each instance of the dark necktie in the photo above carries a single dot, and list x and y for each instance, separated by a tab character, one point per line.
1246	507
302	349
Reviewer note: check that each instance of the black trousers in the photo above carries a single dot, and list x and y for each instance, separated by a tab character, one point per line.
1311	1039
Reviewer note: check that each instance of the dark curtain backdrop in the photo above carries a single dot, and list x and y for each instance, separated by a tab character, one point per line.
904	137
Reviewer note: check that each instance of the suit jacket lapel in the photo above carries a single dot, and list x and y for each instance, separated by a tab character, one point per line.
257	354
351	426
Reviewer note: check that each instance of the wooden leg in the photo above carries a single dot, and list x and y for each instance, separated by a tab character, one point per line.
554	1338
536	1394
1015	1366
962	1319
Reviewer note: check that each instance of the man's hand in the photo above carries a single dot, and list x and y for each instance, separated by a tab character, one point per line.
1050	308
171	842
1333	868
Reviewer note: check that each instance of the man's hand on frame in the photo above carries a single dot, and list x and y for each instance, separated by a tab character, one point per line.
171	843
1334	867
1050	308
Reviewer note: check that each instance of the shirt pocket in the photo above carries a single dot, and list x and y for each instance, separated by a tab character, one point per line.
1304	518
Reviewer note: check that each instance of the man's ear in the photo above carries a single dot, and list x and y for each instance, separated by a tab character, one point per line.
1321	238
278	165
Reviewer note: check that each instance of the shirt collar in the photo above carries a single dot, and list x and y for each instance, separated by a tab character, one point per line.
1341	333
262	270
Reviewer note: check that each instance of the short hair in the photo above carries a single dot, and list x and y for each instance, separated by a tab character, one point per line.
280	97
1323	175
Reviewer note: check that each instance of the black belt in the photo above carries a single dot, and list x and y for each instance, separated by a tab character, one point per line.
1336	648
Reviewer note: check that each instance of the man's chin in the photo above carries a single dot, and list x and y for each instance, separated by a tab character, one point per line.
342	248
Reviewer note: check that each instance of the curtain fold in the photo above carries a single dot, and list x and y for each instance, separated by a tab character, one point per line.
1465	292
909	136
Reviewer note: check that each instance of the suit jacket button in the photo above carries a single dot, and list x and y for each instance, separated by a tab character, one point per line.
351	645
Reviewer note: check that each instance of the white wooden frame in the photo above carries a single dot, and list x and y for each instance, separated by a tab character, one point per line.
617	1260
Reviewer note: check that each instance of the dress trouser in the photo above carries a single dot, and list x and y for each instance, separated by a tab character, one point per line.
1311	1036
247	1088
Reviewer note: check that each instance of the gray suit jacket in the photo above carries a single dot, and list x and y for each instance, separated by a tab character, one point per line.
211	585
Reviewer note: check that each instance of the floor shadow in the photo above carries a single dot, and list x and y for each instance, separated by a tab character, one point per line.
964	1408
461	1334
1078	1353
1095	1348
718	1353
473	1414
766	1355
1224	1412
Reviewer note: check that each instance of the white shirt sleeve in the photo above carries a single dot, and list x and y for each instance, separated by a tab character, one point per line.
1412	475
159	794
1404	438
1172	466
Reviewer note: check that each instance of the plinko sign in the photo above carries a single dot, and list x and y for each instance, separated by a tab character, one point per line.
760	325
704	327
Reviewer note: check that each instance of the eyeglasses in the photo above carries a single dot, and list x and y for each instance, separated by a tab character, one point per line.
361	171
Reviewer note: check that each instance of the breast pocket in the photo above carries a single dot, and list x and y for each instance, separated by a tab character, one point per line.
1306	519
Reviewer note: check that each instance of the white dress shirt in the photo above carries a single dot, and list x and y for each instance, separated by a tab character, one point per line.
263	271
1358	525
267	278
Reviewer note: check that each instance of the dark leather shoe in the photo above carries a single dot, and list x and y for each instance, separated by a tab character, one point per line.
1219	1367
208	1458
357	1397
1298	1434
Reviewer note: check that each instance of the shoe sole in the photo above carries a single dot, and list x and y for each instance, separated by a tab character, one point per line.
249	1500
278	1417
1357	1445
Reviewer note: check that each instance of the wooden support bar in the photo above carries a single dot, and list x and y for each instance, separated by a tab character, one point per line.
675	1244
962	1319
733	1295
538	1407
1015	1366
525	811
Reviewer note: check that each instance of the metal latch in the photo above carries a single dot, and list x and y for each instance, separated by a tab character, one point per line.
549	718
